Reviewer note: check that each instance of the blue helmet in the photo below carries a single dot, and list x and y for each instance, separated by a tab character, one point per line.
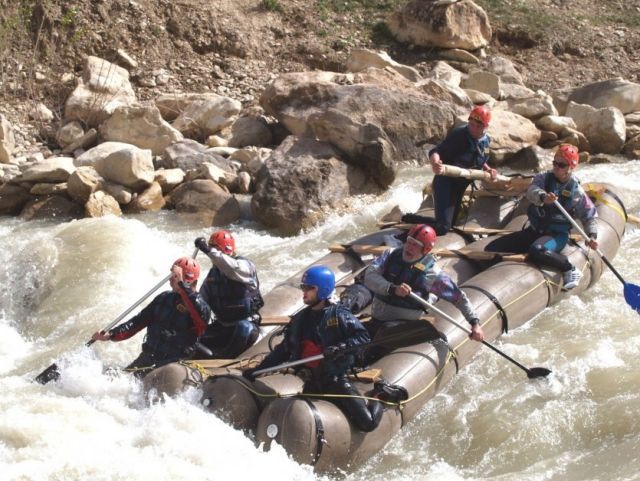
321	277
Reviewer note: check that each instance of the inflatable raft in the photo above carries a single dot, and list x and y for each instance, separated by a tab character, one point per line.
505	291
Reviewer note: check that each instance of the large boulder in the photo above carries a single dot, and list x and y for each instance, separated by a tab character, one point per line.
69	133
171	105
12	199
206	200
509	134
442	90
618	93
365	144
376	97
149	200
51	207
169	179
537	106
190	155
301	181
100	204
486	82
130	166
362	59
141	126
202	118
504	68
83	182
605	128
247	131
100	151
429	23
104	86
446	73
53	170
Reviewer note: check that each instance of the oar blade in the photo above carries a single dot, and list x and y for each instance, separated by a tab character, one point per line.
632	296
535	372
49	374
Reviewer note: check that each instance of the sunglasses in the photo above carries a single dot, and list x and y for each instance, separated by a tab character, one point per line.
306	287
560	165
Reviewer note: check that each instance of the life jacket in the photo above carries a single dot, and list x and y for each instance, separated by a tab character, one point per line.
231	300
308	339
172	332
548	218
475	155
397	271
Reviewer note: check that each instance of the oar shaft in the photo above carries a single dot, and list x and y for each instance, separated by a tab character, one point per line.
287	365
138	302
586	237
447	317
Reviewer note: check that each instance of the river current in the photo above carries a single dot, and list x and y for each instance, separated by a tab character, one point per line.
61	282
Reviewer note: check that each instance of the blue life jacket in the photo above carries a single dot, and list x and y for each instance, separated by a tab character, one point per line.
231	300
397	271
548	218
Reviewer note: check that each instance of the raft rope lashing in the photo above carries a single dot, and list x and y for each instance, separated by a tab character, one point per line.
496	302
592	191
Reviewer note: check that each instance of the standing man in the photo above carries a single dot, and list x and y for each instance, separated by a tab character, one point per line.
175	320
466	146
412	268
548	229
326	328
232	290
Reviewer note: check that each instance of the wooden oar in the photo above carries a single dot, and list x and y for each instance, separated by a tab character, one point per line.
631	291
471	174
471	254
51	373
634	219
502	183
532	373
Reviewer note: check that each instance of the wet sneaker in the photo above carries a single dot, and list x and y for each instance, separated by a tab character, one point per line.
389	392
571	278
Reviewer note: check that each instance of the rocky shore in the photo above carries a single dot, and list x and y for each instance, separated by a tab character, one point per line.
306	141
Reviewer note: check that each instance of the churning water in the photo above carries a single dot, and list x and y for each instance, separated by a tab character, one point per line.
61	282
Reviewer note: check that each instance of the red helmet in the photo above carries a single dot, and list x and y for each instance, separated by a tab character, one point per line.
569	153
223	241
190	269
425	235
481	114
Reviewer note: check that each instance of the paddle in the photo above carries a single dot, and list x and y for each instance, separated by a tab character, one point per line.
631	291
464	253
532	373
412	333
52	374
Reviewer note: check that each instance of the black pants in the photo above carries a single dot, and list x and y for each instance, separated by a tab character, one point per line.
229	341
364	414
447	199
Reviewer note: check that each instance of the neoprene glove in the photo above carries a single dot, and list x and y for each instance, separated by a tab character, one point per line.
248	374
201	243
334	352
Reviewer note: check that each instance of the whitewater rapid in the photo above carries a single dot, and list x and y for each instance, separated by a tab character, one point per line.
61	282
